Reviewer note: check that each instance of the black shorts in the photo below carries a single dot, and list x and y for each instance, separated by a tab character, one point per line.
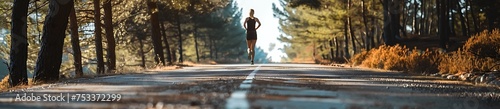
252	35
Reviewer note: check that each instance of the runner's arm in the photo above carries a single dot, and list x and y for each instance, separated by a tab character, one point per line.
256	19
245	24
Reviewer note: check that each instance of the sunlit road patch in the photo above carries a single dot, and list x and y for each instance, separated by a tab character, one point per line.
268	86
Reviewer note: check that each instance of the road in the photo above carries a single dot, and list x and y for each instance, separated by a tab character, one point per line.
267	86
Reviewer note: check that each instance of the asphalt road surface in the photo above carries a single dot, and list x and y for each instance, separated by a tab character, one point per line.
266	86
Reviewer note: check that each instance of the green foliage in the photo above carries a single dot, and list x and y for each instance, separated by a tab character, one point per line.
218	31
305	22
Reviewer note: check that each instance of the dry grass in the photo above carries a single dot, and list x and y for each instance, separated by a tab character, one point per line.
359	58
479	53
397	58
483	45
4	84
386	57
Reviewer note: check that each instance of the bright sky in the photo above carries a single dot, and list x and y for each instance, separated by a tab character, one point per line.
268	32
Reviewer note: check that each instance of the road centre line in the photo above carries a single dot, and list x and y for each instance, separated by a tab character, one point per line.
238	99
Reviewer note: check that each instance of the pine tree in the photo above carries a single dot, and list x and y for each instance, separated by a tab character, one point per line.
50	56
19	44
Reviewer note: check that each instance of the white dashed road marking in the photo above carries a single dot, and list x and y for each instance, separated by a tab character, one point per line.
238	99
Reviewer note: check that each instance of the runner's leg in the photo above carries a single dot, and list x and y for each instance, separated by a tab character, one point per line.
252	49
248	49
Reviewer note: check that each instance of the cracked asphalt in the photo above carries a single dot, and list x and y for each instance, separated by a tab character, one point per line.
263	86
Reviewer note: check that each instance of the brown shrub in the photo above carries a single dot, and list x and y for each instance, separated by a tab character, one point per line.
484	45
480	53
398	58
461	61
357	59
456	62
422	61
4	84
386	57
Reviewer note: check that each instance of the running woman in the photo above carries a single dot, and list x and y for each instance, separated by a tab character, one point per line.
251	34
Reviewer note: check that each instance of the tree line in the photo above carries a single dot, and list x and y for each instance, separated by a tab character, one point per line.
108	36
338	29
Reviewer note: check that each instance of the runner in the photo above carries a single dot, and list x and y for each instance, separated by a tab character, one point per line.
251	34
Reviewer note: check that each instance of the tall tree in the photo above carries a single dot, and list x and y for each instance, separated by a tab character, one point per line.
155	29
367	34
98	37
50	55
444	27
391	21
179	35
167	45
349	21
19	44
463	23
110	38
75	42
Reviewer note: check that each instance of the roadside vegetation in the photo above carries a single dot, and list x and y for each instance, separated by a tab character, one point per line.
104	37
447	38
481	53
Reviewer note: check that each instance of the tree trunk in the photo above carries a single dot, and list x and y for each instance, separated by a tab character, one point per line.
179	29
415	29
322	50
332	53
443	23
98	37
155	29
374	29
467	20
367	30
451	14
491	17
50	55
462	19
423	16
351	31
141	52
346	39
19	44
388	23
353	37
75	43
314	51
404	17
337	47
475	21
395	21
373	33
167	45
211	47
216	50
195	36
402	24
110	38
173	54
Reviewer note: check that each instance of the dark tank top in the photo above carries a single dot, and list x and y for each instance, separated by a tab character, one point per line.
251	32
